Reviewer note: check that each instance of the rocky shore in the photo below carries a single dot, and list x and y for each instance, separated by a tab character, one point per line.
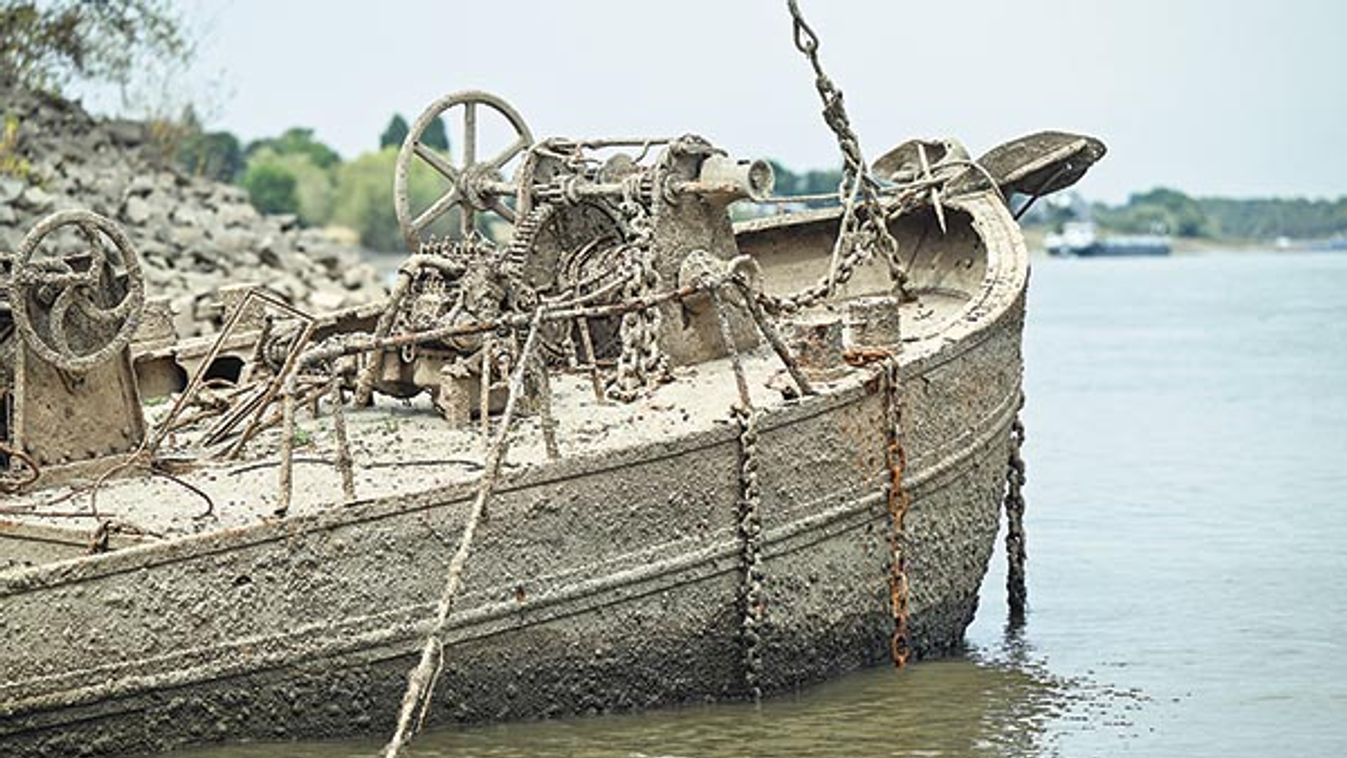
193	235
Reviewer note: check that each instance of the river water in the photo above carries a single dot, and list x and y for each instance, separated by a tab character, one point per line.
1187	532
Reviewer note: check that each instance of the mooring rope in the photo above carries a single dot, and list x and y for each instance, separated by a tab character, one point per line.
421	679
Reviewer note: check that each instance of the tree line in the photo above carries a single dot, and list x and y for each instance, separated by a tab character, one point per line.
47	44
298	174
1169	211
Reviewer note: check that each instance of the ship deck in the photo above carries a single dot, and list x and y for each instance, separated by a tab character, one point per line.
405	447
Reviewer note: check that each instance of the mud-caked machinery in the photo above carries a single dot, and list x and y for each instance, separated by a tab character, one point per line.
594	222
71	299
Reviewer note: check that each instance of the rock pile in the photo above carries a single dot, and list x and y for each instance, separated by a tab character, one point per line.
193	235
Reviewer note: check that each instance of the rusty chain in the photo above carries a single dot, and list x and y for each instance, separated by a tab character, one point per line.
752	604
1016	592
895	457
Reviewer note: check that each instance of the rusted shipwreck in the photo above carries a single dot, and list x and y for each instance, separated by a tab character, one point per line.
634	455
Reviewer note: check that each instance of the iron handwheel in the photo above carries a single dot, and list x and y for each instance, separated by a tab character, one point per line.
76	311
466	181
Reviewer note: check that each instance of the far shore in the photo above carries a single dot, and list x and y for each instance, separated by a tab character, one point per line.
1034	239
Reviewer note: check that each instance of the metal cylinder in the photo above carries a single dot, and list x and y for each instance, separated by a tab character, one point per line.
740	179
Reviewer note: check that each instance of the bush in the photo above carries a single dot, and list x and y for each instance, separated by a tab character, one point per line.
313	186
213	155
298	141
271	188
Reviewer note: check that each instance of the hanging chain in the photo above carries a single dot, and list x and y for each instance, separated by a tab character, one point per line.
895	457
1016	592
863	231
641	361
750	551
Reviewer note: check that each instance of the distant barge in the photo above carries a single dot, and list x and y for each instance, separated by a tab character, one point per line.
1081	239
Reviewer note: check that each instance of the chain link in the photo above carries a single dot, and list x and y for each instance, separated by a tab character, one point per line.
10	484
1016	592
641	361
895	457
751	598
863	231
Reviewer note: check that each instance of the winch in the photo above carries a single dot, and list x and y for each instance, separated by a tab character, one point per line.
594	221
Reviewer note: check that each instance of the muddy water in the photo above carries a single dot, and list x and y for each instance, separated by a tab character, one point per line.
1188	549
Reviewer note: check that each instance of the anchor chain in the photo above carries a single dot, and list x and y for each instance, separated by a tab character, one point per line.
641	361
752	602
895	456
1016	592
860	234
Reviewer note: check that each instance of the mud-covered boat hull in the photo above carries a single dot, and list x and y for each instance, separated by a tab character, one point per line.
597	583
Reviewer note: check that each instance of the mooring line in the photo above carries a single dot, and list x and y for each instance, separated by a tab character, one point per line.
421	679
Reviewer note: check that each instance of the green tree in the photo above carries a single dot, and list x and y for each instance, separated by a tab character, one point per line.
435	136
298	140
313	186
214	155
787	183
395	133
48	44
809	183
364	199
271	188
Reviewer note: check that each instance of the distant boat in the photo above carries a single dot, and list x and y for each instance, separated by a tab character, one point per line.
1334	244
1080	238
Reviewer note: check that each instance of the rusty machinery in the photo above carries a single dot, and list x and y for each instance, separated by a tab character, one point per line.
593	221
70	302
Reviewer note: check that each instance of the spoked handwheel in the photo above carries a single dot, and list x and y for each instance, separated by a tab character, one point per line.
76	310
470	182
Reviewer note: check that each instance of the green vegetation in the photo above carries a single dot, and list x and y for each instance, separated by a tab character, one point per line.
214	155
1168	211
1159	211
297	141
11	163
364	198
435	136
1269	218
271	188
809	183
395	133
296	173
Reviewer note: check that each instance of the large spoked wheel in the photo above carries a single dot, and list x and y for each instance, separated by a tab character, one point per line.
466	179
76	310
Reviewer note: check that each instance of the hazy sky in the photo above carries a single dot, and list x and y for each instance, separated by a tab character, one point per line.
1238	97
